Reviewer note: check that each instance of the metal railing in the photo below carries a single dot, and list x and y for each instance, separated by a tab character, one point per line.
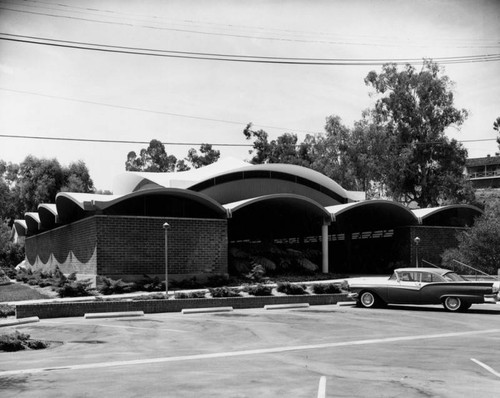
482	275
484	174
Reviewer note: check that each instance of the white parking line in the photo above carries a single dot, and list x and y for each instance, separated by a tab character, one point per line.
322	387
197	357
488	368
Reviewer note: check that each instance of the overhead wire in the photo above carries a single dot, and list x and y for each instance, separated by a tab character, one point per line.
106	48
383	42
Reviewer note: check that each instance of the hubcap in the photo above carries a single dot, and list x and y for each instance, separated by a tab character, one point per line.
367	299
453	303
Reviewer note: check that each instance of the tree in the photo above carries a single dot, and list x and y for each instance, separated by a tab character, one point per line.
420	164
480	245
496	127
284	149
77	178
34	181
154	158
208	156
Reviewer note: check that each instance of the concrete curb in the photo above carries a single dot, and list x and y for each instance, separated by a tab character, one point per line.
113	314
285	306
346	303
206	310
20	321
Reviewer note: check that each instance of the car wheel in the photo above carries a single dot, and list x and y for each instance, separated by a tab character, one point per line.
368	300
452	303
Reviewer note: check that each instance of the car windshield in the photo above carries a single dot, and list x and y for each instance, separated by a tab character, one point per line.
452	277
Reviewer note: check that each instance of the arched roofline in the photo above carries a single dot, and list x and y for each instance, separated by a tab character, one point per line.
287	172
174	192
48	214
21	227
402	216
422	214
321	210
337	210
32	222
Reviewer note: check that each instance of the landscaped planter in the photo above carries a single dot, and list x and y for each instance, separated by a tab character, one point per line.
73	309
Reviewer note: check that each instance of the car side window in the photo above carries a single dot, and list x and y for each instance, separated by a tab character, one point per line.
427	277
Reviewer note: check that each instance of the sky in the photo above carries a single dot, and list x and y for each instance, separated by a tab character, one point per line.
60	91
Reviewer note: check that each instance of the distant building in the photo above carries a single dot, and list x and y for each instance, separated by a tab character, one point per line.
484	172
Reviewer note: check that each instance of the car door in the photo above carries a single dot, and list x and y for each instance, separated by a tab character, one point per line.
406	289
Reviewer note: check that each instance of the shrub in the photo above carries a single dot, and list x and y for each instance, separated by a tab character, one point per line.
16	341
260	290
7	310
151	284
328	288
108	286
290	288
75	289
224	291
190	283
8	271
190	295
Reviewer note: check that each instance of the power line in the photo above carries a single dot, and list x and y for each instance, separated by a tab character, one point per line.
238	58
67	8
101	141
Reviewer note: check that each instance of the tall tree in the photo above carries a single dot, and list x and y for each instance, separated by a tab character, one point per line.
413	110
77	178
207	156
496	127
285	149
154	158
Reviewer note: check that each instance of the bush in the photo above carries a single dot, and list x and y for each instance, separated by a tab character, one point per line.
75	289
8	271
108	286
7	310
329	288
151	284
190	295
16	341
224	291
260	290
290	288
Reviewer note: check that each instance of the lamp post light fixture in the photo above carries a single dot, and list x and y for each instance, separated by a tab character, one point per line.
166	227
417	241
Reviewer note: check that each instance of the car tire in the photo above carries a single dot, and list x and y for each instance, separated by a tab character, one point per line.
368	299
453	304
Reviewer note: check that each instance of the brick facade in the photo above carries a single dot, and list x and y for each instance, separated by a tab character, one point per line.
128	247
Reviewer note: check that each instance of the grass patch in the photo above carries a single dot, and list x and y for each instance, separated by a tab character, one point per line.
20	292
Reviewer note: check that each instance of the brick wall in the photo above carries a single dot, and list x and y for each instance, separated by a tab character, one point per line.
59	310
128	247
132	246
71	247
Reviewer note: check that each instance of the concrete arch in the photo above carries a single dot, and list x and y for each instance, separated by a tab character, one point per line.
370	215
261	180
159	202
448	216
32	223
48	215
276	216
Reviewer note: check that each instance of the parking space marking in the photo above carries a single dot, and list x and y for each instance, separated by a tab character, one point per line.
488	368
197	357
322	387
118	326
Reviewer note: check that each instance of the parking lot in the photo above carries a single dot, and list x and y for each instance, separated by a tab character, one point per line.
330	351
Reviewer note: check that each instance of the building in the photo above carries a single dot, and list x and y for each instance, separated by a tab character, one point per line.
484	172
232	205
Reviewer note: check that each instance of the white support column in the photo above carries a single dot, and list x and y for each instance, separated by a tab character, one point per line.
324	247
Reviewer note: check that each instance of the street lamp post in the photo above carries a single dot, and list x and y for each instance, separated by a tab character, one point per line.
417	241
166	227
